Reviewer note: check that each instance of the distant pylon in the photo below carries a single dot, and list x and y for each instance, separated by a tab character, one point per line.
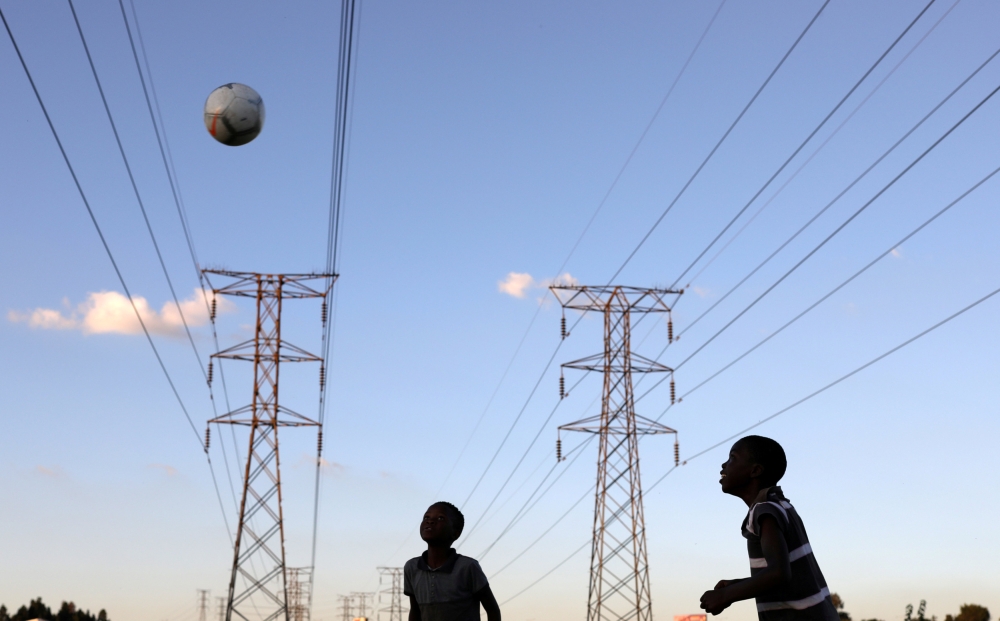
619	566
299	593
346	607
259	548
222	608
362	606
390	594
203	604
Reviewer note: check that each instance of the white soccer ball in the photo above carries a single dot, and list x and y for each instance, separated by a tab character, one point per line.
234	114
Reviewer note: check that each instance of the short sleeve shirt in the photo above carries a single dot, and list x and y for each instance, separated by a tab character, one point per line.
447	593
806	597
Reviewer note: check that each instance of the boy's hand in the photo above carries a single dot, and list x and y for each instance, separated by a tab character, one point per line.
716	600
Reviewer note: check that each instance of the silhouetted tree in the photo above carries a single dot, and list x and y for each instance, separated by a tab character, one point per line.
970	612
38	610
839	605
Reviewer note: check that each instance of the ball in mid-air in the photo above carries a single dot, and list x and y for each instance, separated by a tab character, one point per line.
234	114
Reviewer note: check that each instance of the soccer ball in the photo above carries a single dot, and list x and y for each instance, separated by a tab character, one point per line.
234	114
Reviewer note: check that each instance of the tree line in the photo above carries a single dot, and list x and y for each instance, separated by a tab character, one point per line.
966	612
38	610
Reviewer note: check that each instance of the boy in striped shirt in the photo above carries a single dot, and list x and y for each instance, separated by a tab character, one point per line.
784	576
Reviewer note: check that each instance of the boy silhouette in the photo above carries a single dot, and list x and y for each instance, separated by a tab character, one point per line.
784	576
443	585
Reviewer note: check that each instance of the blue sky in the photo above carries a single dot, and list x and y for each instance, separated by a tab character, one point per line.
482	140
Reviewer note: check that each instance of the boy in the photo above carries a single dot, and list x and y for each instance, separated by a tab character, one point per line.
784	576
443	585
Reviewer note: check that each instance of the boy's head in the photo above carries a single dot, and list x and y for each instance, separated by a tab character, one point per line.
442	524
753	460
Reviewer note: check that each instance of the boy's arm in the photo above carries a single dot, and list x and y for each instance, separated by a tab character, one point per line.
778	572
414	610
489	602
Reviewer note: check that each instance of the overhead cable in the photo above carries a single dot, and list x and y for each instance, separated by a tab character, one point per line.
711	153
803	144
779	413
107	250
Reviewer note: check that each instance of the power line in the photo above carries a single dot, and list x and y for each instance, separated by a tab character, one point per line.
843	284
97	227
175	192
583	233
842	226
827	140
810	222
337	175
107	250
779	413
135	188
721	140
814	305
842	101
841	194
804	142
825	297
175	187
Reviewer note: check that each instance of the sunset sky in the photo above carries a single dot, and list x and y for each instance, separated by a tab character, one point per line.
493	151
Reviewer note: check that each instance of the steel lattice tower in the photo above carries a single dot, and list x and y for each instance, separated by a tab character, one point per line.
259	548
346	607
299	593
619	566
393	591
203	604
362	600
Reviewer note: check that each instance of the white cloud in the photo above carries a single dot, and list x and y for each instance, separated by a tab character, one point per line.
517	284
170	470
109	312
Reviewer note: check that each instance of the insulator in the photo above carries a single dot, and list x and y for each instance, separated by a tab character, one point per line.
559	450
319	443
322	376
673	393
208	437
677	453
562	387
210	372
214	307
323	313
670	330
564	326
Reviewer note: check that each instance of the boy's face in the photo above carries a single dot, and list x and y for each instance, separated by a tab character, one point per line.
436	527
738	471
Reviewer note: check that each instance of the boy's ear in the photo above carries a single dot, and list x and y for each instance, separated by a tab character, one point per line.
756	471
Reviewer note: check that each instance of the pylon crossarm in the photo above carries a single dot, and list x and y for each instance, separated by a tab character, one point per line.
245	283
651	427
239	417
637	364
614	298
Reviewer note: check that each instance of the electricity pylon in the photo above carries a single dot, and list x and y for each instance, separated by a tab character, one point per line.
203	604
259	548
299	593
362	599
393	591
222	608
619	566
346	607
